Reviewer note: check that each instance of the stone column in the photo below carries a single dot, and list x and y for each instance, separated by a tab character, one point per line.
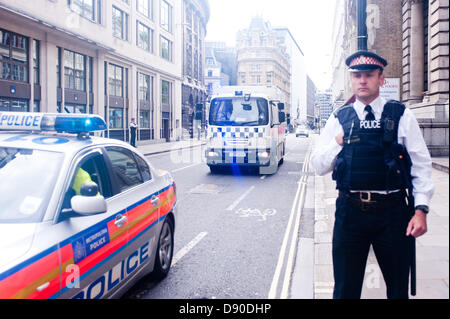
417	52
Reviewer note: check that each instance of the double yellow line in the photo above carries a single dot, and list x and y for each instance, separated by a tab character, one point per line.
296	212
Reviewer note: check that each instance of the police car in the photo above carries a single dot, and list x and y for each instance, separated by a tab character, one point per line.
80	216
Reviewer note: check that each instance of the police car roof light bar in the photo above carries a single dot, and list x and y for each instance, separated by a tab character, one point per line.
70	123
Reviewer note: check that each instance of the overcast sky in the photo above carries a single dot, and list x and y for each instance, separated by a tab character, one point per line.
310	23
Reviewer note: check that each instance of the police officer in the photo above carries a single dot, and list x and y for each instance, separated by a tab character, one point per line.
133	129
376	152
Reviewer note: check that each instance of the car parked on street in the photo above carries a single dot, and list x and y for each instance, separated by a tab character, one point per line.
301	131
80	216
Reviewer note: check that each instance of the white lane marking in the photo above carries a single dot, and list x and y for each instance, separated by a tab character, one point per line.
183	251
290	261
237	201
183	168
297	203
276	276
263	177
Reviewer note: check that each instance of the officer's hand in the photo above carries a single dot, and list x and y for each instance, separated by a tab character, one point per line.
418	225
340	139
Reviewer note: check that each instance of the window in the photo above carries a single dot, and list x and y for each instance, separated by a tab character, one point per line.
115	79
242	77
13	56
166	49
143	168
74	71
13	105
120	23
144	83
75	108
124	168
21	170
144	7
58	69
115	118
165	92
166	16
36	60
144	37
90	9
144	119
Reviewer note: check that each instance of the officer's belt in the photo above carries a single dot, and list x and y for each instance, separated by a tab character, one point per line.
371	201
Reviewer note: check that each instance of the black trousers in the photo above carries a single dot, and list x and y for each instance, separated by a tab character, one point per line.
133	137
355	230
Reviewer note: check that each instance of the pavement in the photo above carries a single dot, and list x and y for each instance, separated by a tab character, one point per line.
432	248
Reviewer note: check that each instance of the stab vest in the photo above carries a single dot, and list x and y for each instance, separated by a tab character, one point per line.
372	159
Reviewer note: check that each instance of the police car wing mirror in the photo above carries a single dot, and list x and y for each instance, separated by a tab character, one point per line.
88	205
89	202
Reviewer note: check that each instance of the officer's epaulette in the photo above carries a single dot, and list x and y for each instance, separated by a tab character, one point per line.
343	107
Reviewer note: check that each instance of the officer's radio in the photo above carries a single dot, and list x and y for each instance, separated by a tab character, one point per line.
389	131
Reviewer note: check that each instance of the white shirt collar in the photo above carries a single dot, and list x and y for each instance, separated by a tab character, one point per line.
377	107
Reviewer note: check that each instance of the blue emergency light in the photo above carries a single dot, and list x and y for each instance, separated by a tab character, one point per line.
70	123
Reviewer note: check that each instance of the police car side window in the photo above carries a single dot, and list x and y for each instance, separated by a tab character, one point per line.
124	168
143	168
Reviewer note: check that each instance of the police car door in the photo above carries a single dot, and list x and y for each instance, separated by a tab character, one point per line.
140	192
94	251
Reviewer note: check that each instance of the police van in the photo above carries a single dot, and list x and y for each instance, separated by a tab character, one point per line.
80	216
247	127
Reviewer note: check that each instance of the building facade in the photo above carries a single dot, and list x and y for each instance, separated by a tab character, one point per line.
195	18
214	76
120	59
298	78
262	59
413	35
324	106
310	102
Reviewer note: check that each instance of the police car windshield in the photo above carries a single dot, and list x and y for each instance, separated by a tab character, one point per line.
27	178
239	112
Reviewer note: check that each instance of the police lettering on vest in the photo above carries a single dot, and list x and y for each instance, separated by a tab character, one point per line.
370	124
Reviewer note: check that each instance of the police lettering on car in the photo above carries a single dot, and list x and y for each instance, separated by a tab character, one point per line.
367	145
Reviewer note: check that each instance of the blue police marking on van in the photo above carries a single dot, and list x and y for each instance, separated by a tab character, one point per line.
105	283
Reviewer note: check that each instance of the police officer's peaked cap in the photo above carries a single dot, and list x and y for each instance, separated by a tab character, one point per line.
361	61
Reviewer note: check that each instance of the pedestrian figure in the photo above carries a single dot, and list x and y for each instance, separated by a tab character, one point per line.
133	129
379	161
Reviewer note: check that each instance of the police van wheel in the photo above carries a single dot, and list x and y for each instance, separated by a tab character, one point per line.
164	253
215	169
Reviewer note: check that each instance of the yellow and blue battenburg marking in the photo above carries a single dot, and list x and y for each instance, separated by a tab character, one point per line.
71	123
88	250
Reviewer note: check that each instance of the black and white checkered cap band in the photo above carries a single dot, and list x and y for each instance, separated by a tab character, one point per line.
236	131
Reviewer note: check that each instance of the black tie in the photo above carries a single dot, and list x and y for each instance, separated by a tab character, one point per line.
370	116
